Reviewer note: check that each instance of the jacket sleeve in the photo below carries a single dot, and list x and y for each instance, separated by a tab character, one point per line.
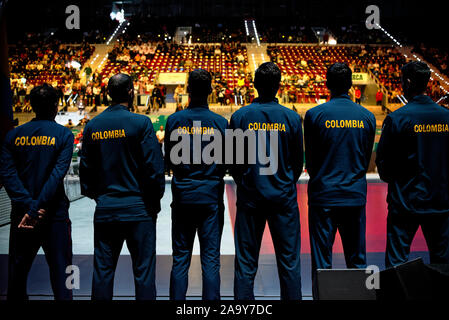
153	166
370	141
385	151
168	144
235	169
308	143
10	177
86	167
297	150
56	177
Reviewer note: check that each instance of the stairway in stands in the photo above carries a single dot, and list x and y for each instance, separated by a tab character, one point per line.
257	55
100	54
101	51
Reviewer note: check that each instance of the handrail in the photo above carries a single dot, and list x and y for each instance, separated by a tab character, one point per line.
382	88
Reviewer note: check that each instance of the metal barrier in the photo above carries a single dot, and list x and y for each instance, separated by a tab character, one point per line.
5	207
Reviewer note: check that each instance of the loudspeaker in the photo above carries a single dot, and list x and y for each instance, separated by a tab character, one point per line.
408	281
343	284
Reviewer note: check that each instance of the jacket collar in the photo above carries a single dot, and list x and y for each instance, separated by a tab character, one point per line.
260	101
195	106
341	96
37	119
421	99
116	107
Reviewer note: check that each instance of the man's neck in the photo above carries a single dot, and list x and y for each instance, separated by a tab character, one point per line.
266	99
125	104
410	96
44	118
333	95
198	101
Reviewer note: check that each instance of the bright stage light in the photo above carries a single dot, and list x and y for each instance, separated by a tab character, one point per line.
74	64
118	15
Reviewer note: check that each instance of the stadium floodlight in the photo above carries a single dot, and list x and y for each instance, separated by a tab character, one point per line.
118	15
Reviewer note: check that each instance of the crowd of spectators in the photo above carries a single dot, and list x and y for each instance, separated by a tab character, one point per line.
53	63
359	34
144	55
144	60
436	56
304	68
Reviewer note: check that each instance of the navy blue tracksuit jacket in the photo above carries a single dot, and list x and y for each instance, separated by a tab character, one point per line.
35	158
196	182
339	138
413	157
279	187
122	166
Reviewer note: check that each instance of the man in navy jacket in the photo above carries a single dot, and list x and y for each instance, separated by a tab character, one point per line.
339	138
413	158
266	186
123	170
197	188
34	160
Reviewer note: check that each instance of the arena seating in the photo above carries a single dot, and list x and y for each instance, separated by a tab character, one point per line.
183	59
48	63
383	62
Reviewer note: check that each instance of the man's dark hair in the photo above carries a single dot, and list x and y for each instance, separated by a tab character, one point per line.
200	83
44	99
267	79
418	73
119	86
339	78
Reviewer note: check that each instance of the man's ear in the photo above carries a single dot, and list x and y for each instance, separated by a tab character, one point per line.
406	83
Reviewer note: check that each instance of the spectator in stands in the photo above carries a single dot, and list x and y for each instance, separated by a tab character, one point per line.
177	94
358	95
160	135
156	98
163	93
88	72
96	92
89	95
69	124
379	97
